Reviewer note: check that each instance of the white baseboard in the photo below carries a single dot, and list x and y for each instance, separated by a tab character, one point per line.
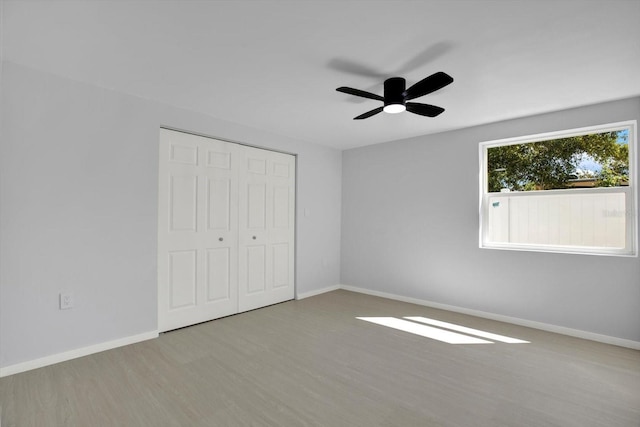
85	351
622	342
315	292
73	354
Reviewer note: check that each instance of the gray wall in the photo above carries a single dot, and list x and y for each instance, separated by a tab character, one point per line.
78	210
78	196
410	228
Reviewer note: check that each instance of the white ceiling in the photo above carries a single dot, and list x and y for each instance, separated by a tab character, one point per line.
275	65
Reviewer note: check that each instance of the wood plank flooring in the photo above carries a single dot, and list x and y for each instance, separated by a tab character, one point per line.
312	363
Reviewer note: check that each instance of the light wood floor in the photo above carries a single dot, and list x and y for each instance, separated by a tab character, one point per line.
312	363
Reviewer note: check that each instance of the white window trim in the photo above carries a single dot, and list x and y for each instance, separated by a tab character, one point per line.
631	249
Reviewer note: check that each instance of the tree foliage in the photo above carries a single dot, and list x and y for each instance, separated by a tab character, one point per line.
552	164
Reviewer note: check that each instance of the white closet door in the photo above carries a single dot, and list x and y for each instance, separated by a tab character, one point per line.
197	229
266	228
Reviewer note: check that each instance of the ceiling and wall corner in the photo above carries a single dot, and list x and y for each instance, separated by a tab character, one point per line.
86	85
274	65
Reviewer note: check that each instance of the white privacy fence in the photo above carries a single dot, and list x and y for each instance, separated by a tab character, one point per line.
586	219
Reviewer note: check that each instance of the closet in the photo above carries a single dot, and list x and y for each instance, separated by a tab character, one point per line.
226	223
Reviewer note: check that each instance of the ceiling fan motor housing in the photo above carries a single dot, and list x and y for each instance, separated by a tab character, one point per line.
396	95
394	91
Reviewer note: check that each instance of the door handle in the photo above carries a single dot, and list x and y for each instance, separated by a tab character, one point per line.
220	239
254	237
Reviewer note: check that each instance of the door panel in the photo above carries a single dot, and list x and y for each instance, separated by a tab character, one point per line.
257	206
280	265
256	262
281	169
183	211
182	279
266	209
256	165
281	207
219	204
184	152
218	274
218	159
197	215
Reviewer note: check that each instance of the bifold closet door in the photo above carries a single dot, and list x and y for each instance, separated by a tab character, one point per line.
266	227
226	223
197	229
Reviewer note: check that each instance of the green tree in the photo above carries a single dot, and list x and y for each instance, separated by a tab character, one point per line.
615	170
551	164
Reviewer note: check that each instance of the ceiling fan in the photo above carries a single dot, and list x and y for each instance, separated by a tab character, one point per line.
396	95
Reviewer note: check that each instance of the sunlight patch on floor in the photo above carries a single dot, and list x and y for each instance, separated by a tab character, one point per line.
424	330
441	331
466	330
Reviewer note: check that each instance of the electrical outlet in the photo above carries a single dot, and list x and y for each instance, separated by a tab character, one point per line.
66	300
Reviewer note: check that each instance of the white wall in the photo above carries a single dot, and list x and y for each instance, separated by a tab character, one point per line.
410	228
78	210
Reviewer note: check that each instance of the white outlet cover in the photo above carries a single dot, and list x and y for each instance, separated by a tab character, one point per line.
66	300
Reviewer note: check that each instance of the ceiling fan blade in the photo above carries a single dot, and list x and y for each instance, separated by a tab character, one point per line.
427	85
358	92
369	113
424	109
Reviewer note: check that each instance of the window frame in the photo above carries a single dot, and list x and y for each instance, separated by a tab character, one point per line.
630	191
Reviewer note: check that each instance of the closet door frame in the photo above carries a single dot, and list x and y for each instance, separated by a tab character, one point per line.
165	323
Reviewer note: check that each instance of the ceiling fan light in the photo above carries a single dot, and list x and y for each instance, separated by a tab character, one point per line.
394	108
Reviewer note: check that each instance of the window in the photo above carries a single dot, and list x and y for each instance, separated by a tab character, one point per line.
571	191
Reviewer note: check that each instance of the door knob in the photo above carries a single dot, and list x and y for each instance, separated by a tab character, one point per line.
221	239
254	237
